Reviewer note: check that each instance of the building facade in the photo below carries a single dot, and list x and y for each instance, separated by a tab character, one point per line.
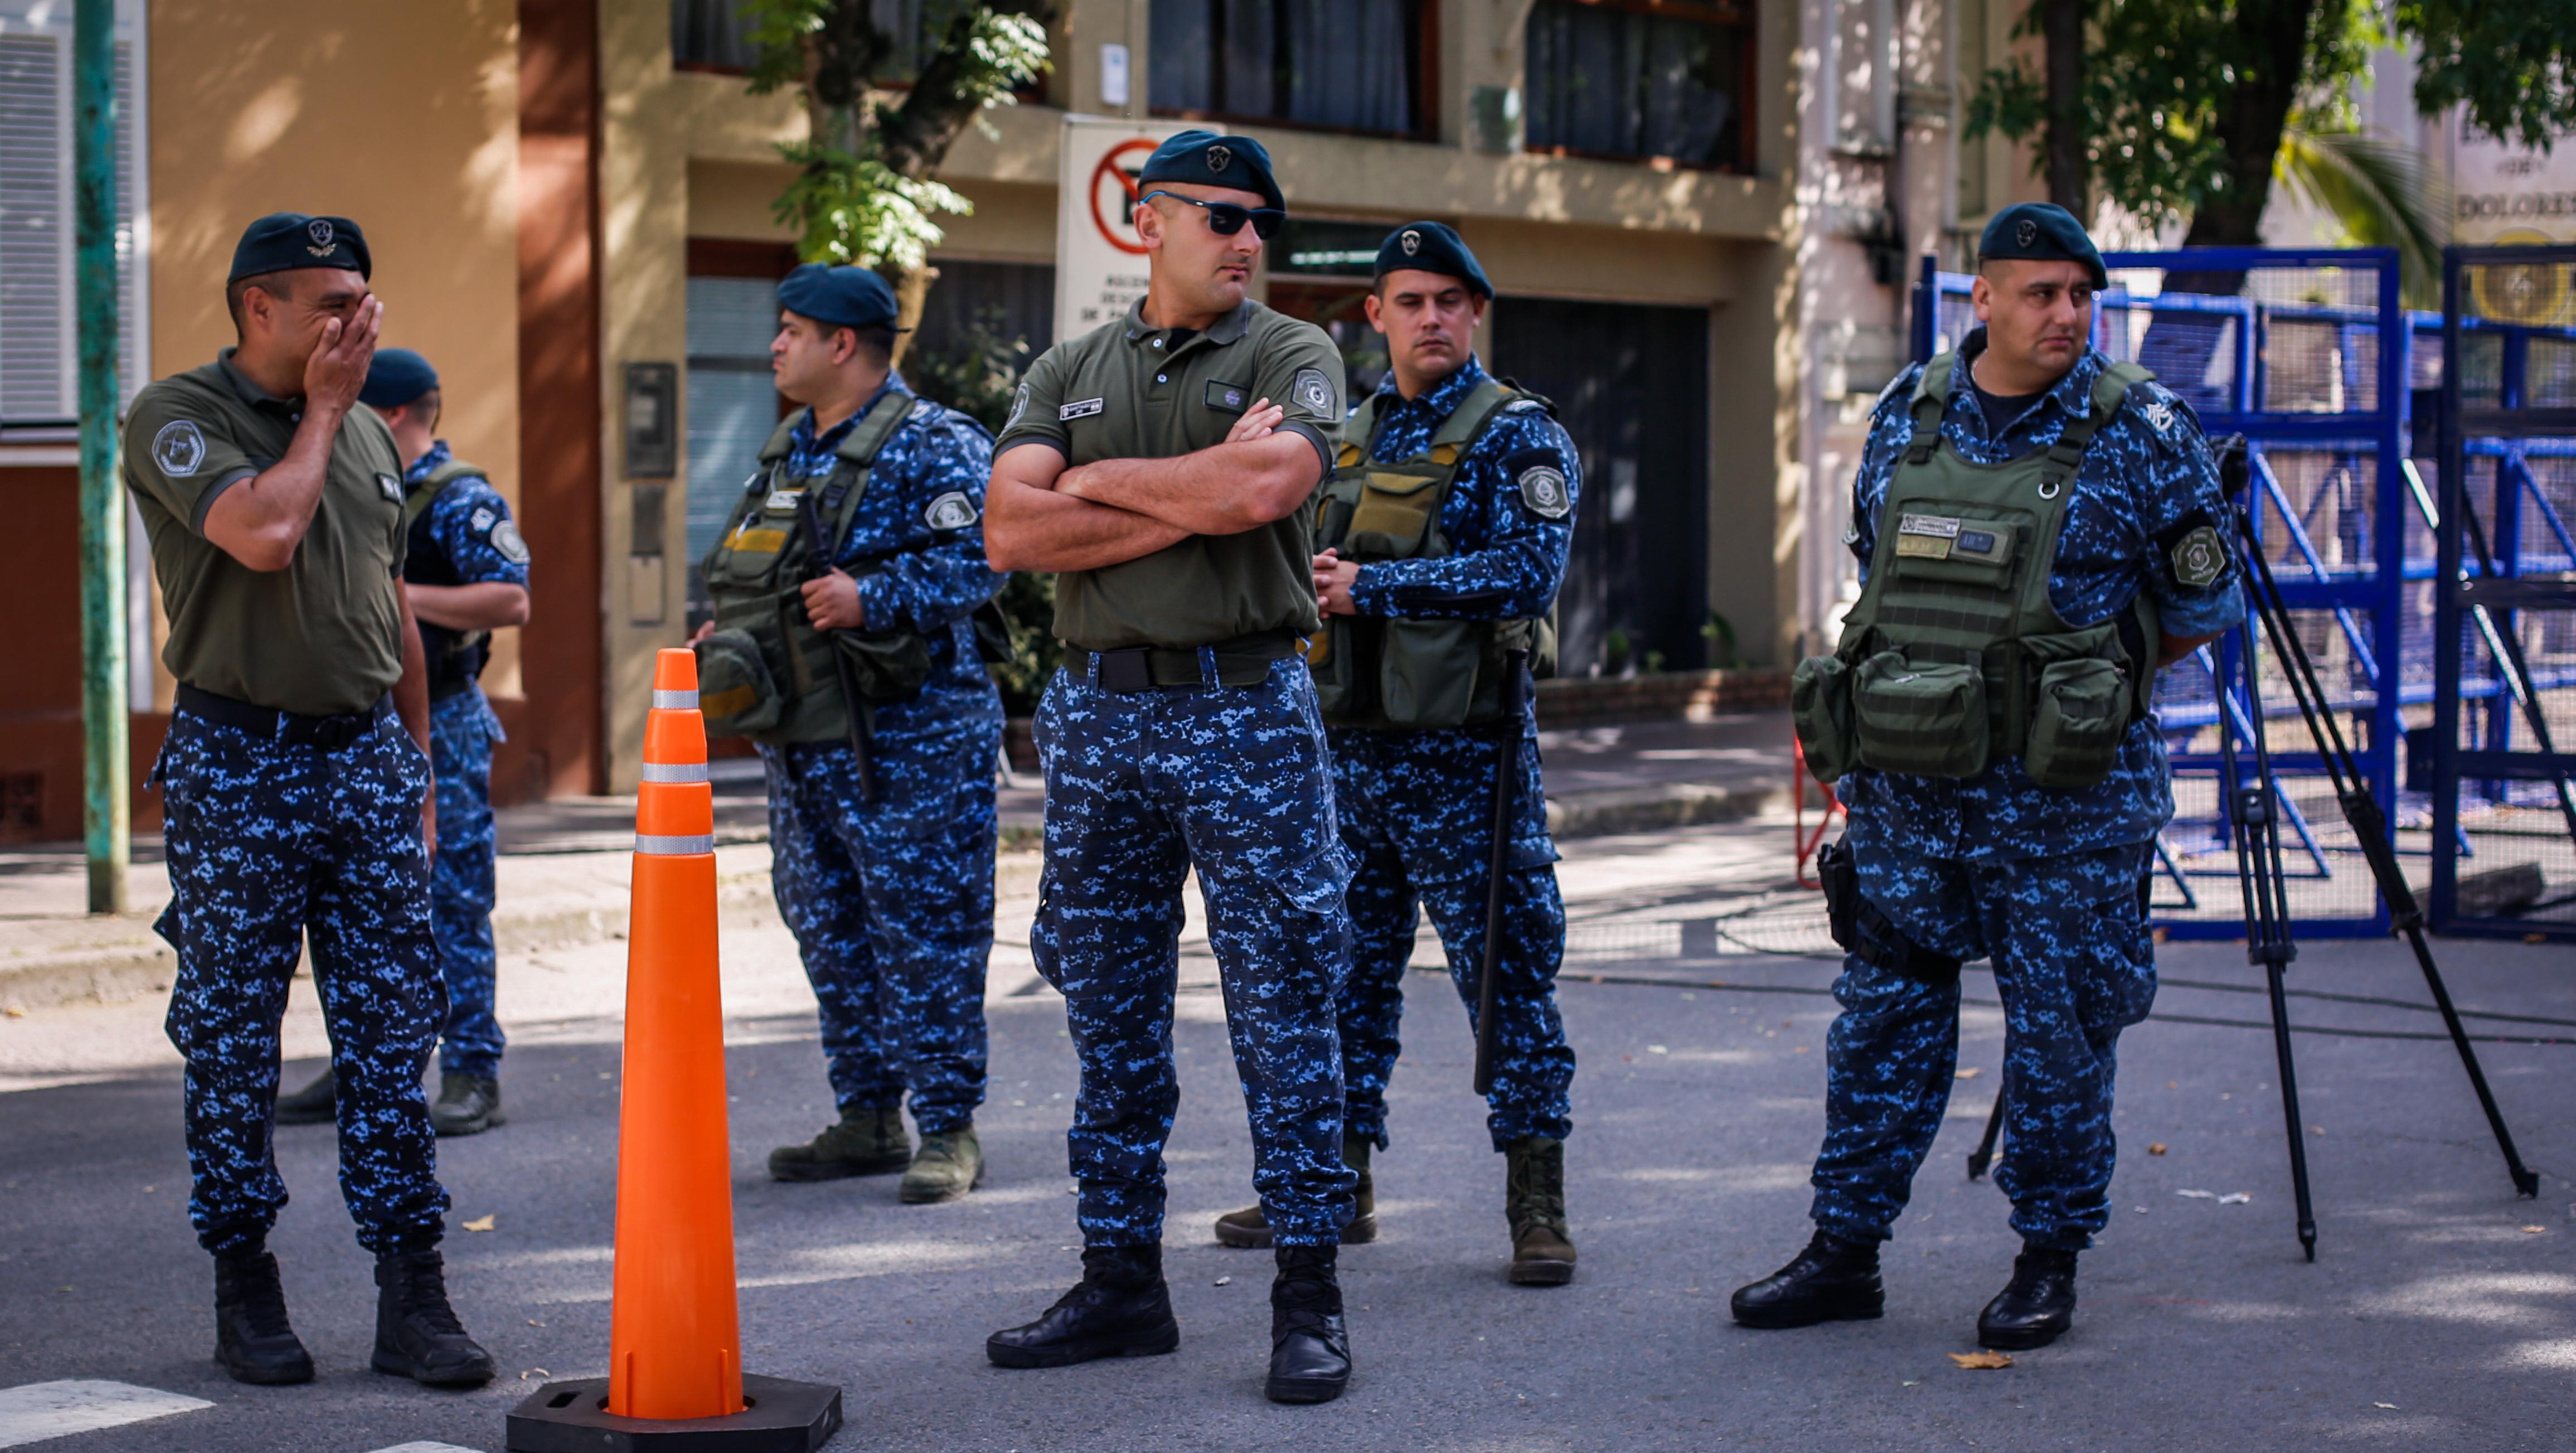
1697	214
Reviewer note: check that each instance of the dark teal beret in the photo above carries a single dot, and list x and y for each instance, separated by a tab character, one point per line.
1432	247
2040	232
838	297
285	241
1206	159
397	377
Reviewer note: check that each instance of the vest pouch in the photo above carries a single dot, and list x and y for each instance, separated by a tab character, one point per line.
746	558
884	666
735	690
1820	707
1393	514
1427	671
1334	655
2077	722
1928	720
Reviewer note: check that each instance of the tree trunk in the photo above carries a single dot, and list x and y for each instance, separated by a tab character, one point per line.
2250	122
2063	138
911	290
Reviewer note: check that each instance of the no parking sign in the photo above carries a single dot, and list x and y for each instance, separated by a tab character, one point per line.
1099	262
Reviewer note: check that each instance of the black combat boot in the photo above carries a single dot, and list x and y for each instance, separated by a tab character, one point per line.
466	1105
865	1143
1249	1230
1120	1308
417	1334
315	1104
1310	1349
1833	1280
2036	1307
253	1340
1534	1204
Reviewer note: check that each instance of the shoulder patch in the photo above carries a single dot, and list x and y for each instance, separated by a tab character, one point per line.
179	449
1543	491
481	520
2199	558
512	545
1019	405
951	511
390	487
1313	393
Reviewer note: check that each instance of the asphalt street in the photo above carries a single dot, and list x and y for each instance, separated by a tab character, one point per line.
2440	1313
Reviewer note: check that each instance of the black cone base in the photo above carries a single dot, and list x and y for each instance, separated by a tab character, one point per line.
572	1417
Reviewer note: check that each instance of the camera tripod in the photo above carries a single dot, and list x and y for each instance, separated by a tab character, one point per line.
2252	806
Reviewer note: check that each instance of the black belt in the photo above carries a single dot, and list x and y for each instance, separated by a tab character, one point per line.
293	728
1242	661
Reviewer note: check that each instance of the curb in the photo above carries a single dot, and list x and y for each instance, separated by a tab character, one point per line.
1671	804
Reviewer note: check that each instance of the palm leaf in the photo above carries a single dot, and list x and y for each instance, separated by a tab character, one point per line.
2381	193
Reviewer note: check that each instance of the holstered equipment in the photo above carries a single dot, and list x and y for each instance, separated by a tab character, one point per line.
1395	671
455	658
1954	658
766	672
1861	930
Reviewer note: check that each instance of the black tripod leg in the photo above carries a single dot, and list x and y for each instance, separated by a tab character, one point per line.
2290	1111
2524	1181
1984	1155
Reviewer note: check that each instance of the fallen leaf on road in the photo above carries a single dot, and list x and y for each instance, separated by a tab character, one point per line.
15	1012
1657	1049
2156	1149
2199	1195
2527	1230
534	1372
2239	1198
1221	1281
479	1223
2392	1407
1981	1360
1970	1073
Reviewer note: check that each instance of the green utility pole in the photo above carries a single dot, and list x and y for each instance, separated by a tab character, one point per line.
108	813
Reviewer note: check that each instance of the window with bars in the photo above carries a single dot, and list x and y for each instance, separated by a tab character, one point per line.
715	35
1339	65
1657	80
39	316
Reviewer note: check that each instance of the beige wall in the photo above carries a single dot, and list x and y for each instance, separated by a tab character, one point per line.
402	118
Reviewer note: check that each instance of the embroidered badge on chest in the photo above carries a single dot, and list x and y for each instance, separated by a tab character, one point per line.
951	511
1080	409
389	487
1230	397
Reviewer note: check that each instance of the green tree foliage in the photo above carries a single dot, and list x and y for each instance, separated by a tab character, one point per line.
864	191
2512	62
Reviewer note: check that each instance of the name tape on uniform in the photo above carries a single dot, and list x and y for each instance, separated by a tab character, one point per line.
1080	409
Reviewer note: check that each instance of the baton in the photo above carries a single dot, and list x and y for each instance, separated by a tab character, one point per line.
1507	779
818	552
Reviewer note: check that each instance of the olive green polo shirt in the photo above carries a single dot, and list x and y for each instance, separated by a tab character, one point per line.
322	636
1126	391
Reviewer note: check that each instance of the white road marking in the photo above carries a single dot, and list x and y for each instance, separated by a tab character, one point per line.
42	1410
428	1448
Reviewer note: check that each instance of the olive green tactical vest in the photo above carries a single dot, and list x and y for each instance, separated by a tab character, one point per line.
755	576
462	661
1954	658
1379	671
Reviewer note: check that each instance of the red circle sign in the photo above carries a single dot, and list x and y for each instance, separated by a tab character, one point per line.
1118	234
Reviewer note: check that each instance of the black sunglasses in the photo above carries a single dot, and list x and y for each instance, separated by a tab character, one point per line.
1226	219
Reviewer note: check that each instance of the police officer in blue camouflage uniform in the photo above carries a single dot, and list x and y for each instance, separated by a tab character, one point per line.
465	571
1165	464
1452	512
881	809
296	789
2042	532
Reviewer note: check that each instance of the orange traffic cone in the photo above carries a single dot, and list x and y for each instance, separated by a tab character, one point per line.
675	1346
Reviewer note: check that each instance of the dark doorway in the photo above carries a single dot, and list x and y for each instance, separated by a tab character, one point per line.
1631	385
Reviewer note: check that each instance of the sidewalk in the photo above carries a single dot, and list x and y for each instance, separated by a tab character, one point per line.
564	863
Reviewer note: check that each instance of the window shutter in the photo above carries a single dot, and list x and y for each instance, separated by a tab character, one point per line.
34	275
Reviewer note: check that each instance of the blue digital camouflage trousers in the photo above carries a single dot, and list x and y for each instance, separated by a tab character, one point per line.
462	730
1417	819
891	900
1142	787
2074	965
269	842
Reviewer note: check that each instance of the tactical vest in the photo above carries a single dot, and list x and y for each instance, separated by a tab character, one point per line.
455	658
1394	671
766	672
1954	658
